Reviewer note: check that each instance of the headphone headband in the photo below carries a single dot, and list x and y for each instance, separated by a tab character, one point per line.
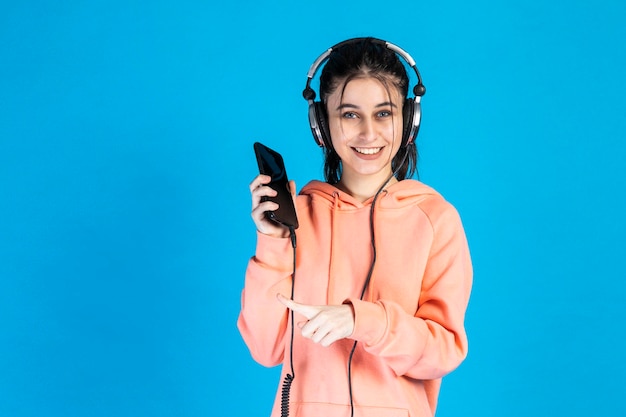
411	110
419	89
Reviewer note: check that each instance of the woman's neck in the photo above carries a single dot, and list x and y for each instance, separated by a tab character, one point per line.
361	189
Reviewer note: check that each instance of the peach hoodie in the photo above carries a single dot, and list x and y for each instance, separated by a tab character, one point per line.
409	325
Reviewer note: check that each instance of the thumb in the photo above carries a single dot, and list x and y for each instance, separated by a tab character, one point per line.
292	187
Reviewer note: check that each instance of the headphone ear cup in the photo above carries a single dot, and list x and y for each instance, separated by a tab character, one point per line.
322	133
411	115
315	124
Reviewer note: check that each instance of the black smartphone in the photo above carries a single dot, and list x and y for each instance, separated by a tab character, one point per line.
271	163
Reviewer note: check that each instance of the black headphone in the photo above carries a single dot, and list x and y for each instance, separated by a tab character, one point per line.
411	110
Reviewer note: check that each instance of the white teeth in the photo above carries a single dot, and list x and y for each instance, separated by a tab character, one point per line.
368	151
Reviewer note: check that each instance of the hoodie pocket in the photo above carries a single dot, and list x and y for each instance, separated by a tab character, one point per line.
336	410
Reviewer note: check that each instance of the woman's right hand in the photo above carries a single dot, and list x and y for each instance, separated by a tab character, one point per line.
260	189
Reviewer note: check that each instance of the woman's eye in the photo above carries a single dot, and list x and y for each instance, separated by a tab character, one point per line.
384	113
349	115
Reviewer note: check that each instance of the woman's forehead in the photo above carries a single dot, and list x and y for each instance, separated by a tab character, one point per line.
357	87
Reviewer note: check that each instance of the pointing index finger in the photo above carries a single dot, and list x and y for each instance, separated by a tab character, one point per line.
307	311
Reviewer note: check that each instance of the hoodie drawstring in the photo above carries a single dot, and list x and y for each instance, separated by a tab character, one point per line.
333	231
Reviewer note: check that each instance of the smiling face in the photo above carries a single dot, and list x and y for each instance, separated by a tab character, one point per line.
365	122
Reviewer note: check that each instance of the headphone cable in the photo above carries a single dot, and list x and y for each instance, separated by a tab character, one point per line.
289	378
284	404
369	275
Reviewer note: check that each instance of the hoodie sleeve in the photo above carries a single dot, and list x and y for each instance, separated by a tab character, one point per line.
263	319
432	342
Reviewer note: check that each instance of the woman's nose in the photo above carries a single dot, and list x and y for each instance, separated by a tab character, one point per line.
368	129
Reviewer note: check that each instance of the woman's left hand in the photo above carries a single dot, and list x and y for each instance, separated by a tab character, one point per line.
325	324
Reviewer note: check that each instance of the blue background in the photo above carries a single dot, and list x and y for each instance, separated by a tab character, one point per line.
126	133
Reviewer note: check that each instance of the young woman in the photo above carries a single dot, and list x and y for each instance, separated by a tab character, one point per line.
370	315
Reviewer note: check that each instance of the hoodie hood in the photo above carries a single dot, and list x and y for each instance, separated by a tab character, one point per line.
401	194
340	221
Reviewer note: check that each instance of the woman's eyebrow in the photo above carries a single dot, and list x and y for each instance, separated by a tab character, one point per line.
354	106
386	103
347	106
